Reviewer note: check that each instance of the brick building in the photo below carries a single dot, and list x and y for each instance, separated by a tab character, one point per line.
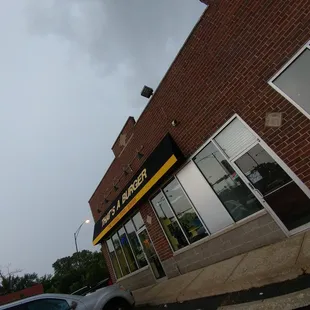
218	163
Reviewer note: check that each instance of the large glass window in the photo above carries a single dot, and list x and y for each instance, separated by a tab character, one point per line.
114	260
138	221
120	255
184	211
231	190
125	250
135	244
294	80
169	222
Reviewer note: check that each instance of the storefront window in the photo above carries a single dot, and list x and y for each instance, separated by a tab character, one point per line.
127	250
231	190
120	255
184	211
135	244
169	222
138	221
114	260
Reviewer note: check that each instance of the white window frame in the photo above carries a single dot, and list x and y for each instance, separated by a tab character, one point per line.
262	212
131	272
161	190
274	86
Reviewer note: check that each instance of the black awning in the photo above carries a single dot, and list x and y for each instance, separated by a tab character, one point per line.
165	156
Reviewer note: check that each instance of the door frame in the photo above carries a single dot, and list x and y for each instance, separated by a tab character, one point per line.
138	232
278	160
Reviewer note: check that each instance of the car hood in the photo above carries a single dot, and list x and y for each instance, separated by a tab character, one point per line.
94	297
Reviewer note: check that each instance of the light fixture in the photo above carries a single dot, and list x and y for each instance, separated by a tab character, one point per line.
147	92
87	221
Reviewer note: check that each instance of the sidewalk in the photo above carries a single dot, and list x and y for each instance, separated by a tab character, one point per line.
271	264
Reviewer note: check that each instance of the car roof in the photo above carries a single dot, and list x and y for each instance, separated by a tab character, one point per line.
40	296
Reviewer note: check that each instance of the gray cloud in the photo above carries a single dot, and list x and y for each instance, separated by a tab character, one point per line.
71	74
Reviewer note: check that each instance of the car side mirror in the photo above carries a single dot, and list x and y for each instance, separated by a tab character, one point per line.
73	305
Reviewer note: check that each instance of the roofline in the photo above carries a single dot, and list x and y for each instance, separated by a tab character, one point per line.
147	105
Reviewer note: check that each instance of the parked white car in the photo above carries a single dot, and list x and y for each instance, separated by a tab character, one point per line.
114	297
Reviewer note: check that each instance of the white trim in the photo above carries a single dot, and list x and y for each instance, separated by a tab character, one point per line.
270	82
225	230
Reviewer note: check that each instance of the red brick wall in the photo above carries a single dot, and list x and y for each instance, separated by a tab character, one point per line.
28	292
223	69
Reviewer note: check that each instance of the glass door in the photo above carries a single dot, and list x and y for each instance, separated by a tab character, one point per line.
274	187
151	254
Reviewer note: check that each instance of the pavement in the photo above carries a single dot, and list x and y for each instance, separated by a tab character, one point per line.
275	263
297	300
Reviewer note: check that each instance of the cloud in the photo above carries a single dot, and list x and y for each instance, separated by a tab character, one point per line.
71	74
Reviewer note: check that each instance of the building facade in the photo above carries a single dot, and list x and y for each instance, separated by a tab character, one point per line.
218	163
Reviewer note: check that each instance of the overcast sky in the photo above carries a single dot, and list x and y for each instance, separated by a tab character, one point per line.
71	74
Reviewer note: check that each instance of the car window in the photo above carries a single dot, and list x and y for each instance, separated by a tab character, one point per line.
19	307
47	304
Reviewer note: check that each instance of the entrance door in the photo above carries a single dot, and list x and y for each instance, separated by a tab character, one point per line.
273	186
151	254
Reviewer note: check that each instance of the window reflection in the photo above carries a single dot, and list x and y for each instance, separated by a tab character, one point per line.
281	193
262	170
231	190
120	255
135	244
185	213
138	221
127	250
169	222
114	260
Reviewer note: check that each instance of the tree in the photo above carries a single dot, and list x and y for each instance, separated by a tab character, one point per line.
79	270
71	273
8	279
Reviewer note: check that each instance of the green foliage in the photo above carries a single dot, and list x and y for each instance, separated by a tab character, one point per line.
70	274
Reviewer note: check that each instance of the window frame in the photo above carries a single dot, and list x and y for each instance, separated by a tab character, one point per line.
161	190
110	238
191	159
135	259
119	266
282	70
